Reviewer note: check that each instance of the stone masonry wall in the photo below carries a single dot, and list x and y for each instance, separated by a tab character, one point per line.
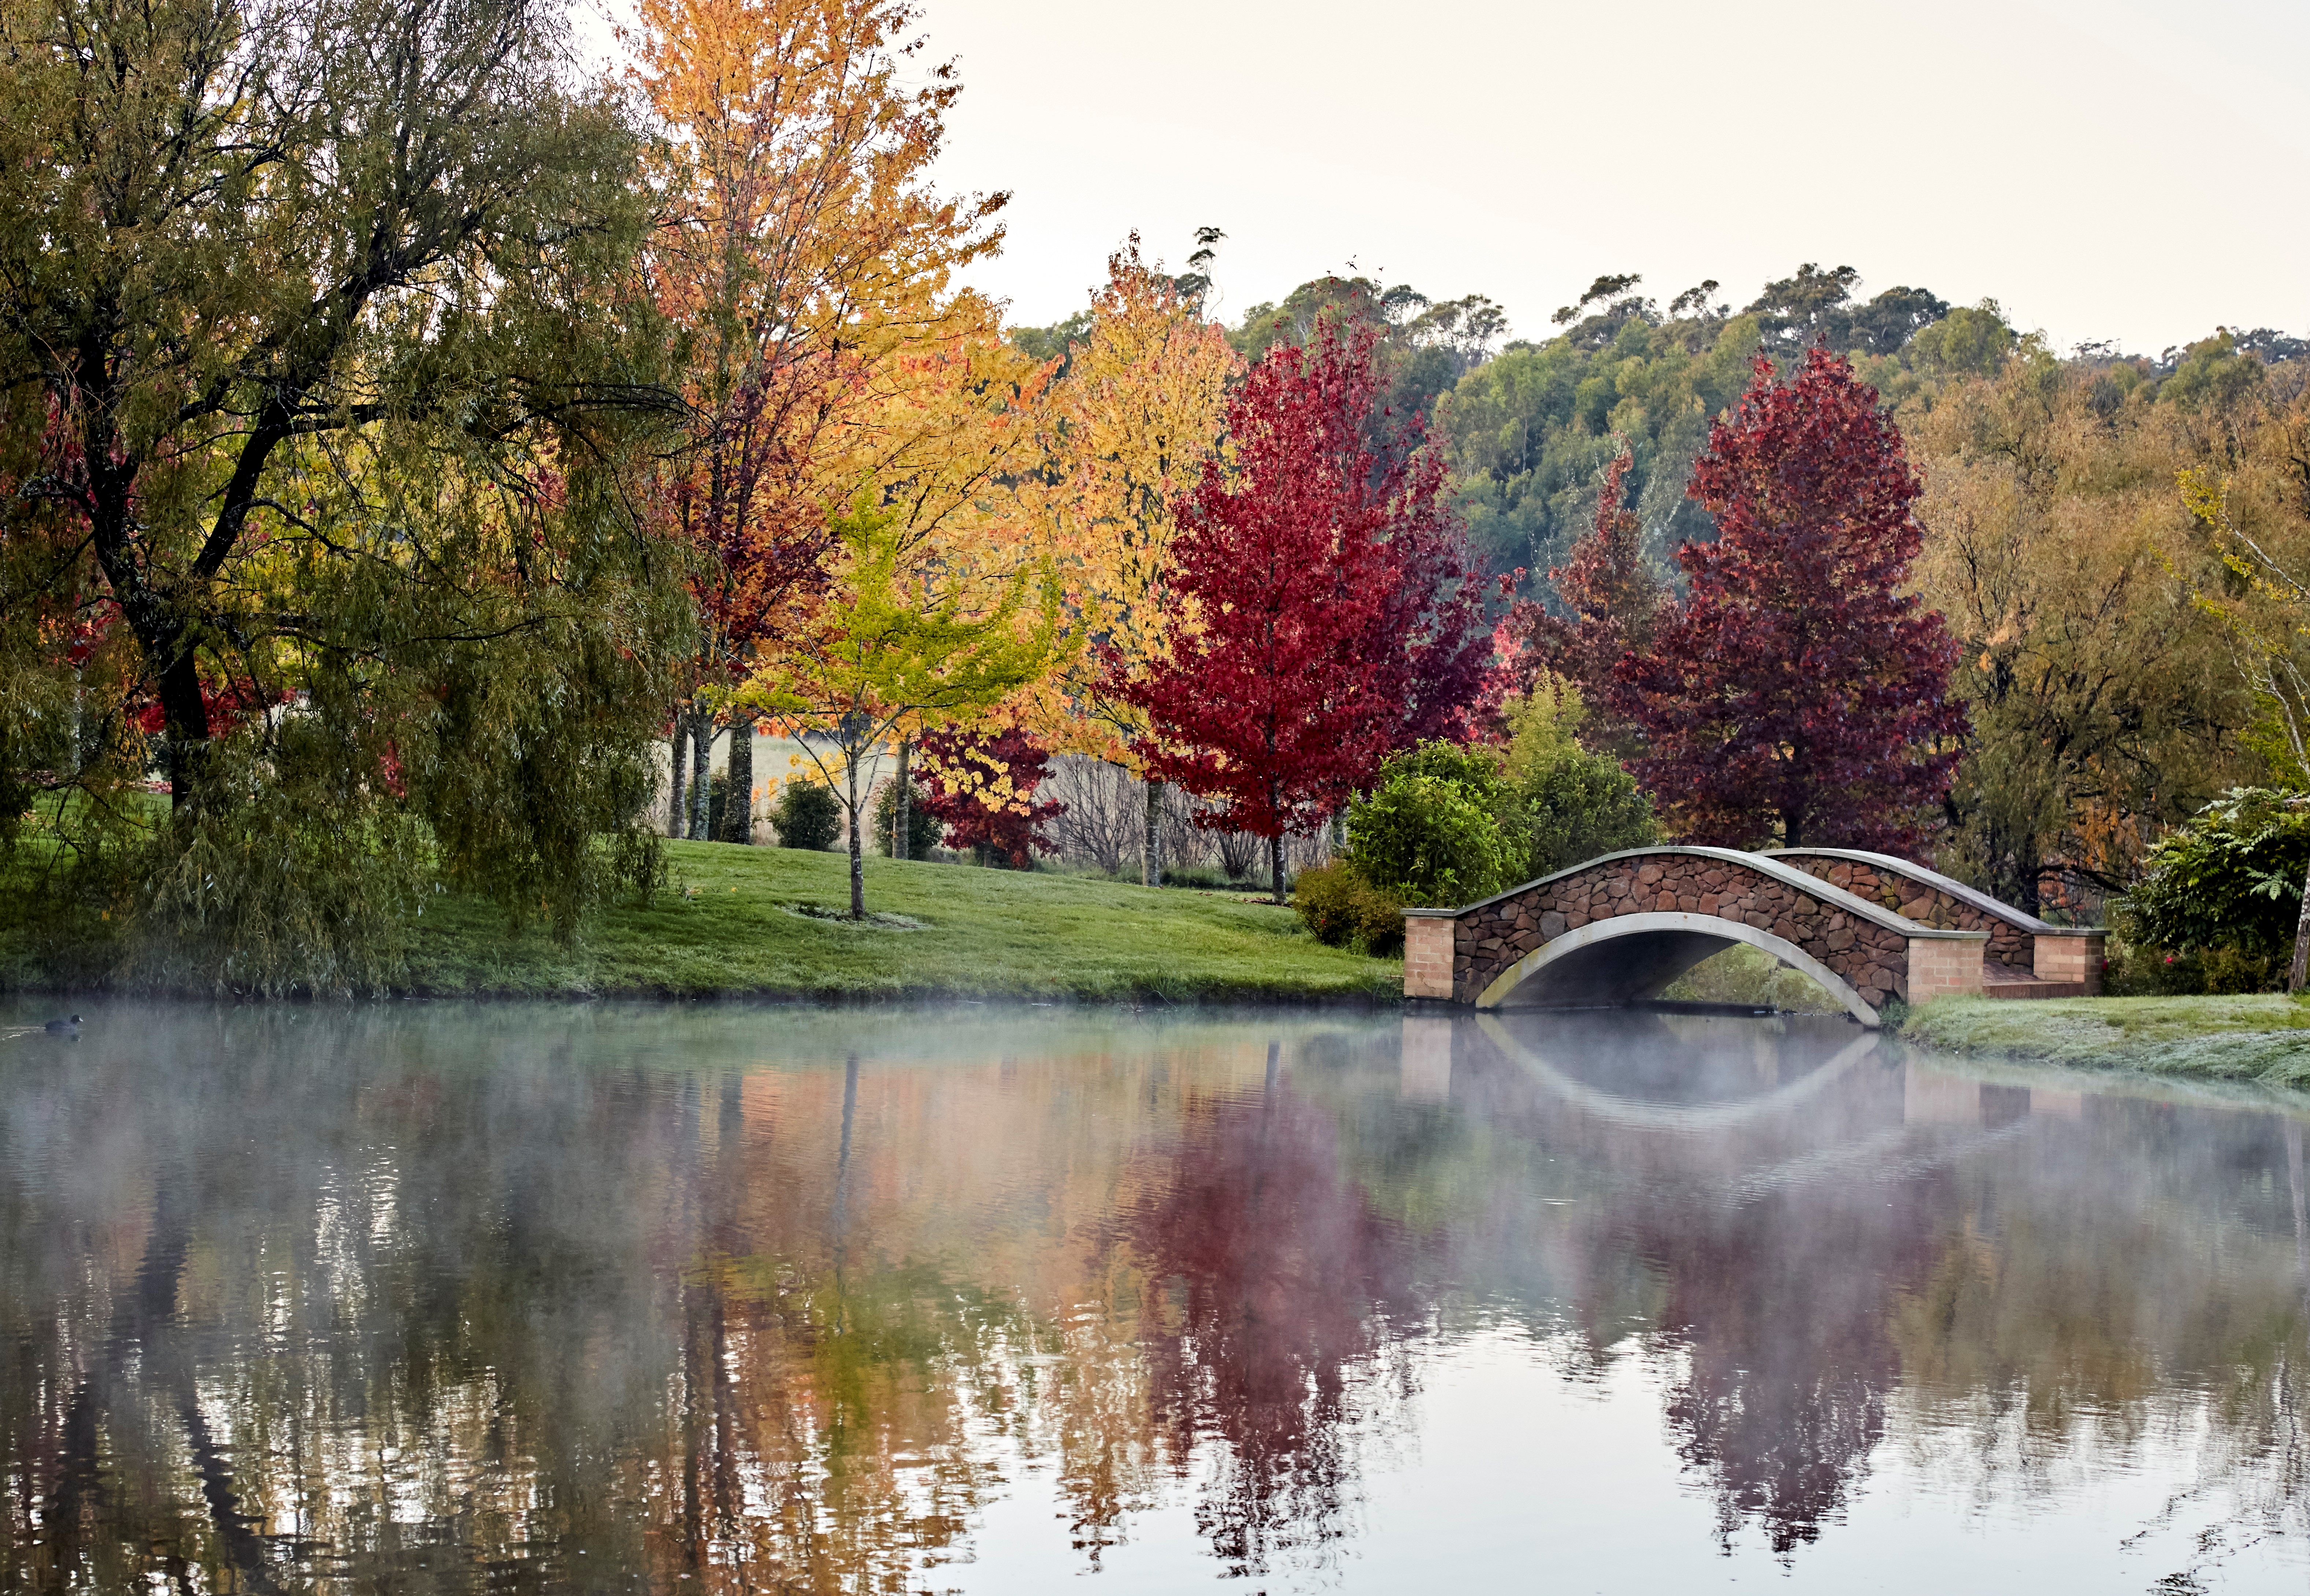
1874	961
1926	905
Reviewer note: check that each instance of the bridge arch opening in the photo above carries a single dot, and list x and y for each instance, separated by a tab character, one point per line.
1630	959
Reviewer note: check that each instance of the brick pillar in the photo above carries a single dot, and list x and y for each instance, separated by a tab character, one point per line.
1945	967
1427	956
2071	956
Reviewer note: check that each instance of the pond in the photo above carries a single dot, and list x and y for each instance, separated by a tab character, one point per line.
523	1298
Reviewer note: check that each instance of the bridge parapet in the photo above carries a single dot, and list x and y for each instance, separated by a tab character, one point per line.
1864	944
2026	955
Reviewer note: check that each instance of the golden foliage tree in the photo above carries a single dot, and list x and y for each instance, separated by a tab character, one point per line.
2104	704
2250	509
1130	426
808	260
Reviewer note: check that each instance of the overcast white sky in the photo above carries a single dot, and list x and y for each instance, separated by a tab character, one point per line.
2105	168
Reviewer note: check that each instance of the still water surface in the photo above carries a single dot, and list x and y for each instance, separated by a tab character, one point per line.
677	1299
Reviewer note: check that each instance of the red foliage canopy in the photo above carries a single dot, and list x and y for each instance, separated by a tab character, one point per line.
1338	618
1797	684
962	774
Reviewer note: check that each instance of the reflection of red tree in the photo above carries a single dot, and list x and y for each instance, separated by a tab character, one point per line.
1272	1278
1790	1362
1780	1297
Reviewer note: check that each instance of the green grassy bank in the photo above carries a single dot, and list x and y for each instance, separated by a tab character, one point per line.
2261	1037
739	922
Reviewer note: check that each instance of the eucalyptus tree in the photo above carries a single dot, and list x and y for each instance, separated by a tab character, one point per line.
321	369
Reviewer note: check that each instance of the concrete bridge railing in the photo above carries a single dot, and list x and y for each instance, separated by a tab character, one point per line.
1620	928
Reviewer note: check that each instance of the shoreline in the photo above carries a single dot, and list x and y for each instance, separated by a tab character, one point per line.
770	926
2255	1039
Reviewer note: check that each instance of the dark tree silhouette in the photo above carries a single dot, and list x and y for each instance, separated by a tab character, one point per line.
1798	694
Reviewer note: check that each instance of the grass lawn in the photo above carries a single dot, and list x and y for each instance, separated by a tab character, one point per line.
2264	1037
734	923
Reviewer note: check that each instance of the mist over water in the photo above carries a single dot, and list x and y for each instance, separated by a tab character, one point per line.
514	1298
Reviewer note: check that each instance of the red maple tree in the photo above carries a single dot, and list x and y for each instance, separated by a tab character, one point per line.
982	789
1322	605
1615	601
1798	694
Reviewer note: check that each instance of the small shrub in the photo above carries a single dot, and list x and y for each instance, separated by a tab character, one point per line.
718	801
2190	972
1343	910
982	787
807	815
1427	841
1574	804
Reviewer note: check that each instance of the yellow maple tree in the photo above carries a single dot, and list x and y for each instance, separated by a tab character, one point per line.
1128	430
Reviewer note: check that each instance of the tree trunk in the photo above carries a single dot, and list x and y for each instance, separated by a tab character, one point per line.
701	769
185	713
858	853
2026	896
1151	852
677	818
2299	972
1275	864
902	823
1792	829
738	806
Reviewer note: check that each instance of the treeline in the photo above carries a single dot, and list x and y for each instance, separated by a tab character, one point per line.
2123	653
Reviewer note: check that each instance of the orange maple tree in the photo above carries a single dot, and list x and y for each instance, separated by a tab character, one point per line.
806	260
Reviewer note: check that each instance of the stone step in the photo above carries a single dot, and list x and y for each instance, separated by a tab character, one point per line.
2029	986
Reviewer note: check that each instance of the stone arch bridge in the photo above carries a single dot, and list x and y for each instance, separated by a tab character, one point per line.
1867	928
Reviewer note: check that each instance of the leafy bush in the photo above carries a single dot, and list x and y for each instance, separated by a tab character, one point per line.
2230	879
1344	910
1427	841
807	815
1574	804
2191	972
982	786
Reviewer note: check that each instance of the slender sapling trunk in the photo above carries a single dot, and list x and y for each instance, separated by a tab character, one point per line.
677	818
1275	864
858	853
903	823
1151	853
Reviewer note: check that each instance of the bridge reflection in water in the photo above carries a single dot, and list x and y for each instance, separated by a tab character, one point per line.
454	1298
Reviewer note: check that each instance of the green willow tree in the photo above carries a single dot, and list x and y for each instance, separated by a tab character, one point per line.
321	369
